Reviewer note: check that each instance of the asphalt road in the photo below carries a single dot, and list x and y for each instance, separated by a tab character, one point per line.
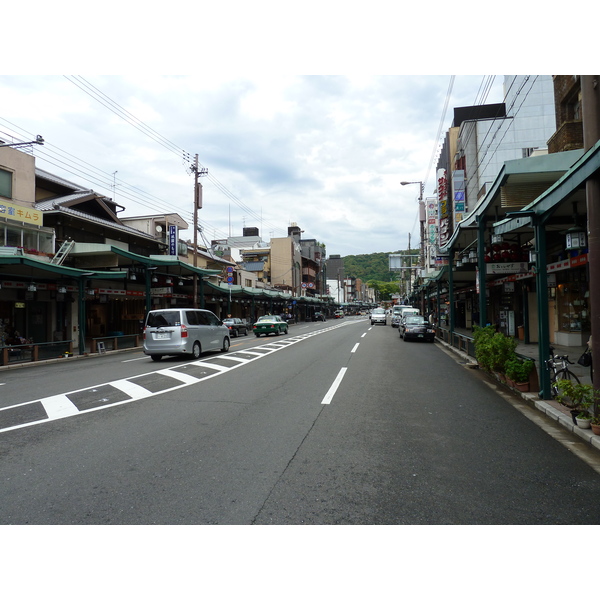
334	423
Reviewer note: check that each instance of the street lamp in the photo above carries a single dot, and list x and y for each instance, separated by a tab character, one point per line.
38	140
422	226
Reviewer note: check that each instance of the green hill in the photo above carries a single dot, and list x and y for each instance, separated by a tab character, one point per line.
368	267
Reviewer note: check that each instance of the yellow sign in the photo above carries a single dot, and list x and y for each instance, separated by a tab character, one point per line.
21	213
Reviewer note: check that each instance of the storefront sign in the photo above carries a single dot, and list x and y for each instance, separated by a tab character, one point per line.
21	213
505	268
458	189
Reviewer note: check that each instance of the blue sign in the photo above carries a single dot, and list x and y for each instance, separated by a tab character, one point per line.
173	240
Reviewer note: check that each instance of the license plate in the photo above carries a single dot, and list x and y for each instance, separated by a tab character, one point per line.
162	336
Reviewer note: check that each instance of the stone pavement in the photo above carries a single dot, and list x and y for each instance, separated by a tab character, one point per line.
551	408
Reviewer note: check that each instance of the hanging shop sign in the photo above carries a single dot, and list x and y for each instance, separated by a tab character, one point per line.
505	268
172	240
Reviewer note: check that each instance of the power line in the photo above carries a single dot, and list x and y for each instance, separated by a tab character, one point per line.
114	107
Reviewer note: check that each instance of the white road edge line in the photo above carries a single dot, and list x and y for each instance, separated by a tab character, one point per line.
334	386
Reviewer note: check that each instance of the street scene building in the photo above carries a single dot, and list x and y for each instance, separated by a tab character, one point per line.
74	270
515	244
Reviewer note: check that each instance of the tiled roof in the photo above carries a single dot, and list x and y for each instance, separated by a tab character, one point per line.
53	203
107	223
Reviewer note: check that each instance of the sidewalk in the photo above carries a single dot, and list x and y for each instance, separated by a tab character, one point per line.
551	408
573	352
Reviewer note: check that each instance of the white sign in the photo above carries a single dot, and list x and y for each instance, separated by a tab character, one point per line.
504	268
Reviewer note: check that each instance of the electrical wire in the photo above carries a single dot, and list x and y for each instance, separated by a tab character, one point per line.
114	107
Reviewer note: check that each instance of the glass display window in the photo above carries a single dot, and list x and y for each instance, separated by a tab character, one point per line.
572	299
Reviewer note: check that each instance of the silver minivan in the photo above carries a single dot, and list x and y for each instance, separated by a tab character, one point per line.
191	331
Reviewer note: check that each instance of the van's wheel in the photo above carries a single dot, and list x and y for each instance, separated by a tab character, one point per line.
196	350
226	344
156	357
235	332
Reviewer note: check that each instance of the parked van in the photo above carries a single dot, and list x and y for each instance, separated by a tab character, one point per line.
191	331
399	312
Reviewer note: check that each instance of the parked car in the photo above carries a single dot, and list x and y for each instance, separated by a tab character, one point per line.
338	314
319	316
188	331
378	315
416	327
399	312
236	326
268	324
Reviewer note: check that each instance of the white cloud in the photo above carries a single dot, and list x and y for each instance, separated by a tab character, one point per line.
327	152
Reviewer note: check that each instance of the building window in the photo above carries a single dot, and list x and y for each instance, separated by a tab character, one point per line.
5	183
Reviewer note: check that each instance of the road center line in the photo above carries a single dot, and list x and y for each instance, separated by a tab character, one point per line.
334	386
355	348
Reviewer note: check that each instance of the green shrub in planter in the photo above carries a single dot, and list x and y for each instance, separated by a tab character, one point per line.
518	369
503	349
578	396
483	346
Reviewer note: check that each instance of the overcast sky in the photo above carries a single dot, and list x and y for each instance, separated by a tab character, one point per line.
325	152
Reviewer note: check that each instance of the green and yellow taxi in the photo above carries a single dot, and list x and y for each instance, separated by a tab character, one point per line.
268	324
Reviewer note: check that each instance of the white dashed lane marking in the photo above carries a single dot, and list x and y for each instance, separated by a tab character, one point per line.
121	391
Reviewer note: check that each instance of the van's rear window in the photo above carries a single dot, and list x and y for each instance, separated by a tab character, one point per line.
167	318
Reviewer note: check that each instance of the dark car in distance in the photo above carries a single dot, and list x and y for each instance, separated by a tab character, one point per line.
319	316
236	326
416	327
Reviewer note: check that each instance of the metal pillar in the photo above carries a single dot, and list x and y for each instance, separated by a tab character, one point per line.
590	108
541	279
481	270
81	314
451	315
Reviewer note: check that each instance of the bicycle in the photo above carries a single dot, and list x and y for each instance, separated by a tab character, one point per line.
557	365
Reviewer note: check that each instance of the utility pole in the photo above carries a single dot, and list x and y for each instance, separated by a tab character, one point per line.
197	205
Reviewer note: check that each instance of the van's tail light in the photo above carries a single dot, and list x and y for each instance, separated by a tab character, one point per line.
144	333
184	332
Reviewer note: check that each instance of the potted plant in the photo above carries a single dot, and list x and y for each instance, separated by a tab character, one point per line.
518	371
583	419
595	425
579	397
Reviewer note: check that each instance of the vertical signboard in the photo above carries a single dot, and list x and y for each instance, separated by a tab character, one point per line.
173	240
458	191
432	229
444	210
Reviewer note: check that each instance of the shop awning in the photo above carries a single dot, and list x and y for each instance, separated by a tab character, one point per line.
571	186
25	267
175	265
